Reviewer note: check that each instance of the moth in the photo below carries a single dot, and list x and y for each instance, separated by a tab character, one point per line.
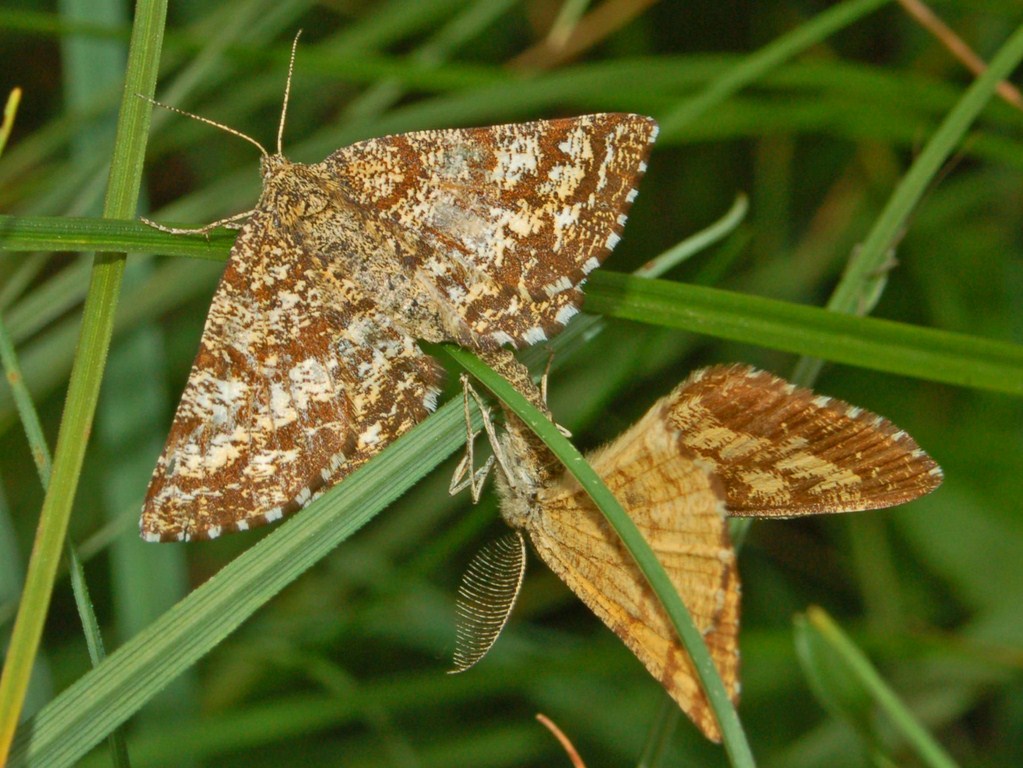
729	441
308	363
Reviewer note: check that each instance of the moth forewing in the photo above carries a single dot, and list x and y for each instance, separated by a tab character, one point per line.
784	451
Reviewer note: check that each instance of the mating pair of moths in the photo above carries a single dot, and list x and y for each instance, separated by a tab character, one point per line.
308	366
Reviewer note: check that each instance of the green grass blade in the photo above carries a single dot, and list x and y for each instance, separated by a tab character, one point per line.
41	455
83	389
698	241
852	684
69	233
26	409
853	292
948	137
881	345
925	353
94	640
10	110
757	65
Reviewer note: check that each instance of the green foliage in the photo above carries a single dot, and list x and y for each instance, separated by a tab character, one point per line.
336	652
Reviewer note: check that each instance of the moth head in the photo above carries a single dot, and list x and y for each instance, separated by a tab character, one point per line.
270	165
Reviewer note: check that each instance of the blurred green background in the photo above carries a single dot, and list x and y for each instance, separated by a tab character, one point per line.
347	665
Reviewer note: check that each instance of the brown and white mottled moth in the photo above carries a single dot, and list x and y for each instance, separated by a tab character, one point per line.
729	441
308	363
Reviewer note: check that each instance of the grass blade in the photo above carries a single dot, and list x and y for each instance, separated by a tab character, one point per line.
881	345
83	390
822	645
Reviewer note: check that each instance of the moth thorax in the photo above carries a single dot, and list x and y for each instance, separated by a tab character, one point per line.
518	503
522	477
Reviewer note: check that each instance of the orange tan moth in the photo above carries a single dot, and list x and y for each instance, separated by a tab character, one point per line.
309	362
730	440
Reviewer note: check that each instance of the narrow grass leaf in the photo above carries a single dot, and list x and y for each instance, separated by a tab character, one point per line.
848	679
83	389
757	65
880	345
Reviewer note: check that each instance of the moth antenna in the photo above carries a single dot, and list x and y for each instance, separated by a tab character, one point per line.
287	94
206	120
486	597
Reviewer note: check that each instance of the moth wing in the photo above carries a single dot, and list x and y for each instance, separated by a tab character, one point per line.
292	388
784	451
516	216
679	509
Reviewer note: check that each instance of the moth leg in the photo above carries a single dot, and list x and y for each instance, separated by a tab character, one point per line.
507	446
231	222
546	376
496	444
465	474
504	362
458	477
543	392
